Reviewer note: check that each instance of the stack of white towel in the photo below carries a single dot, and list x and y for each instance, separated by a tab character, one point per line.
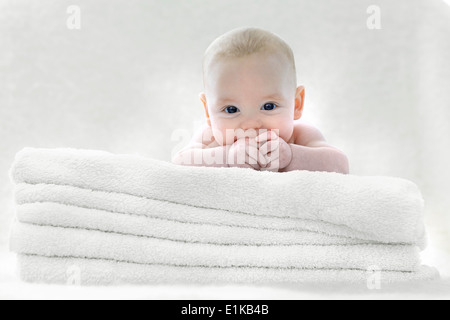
110	218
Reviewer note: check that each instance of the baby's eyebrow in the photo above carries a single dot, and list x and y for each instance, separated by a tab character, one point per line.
275	96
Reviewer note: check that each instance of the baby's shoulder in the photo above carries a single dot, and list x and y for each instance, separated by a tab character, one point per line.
205	137
306	134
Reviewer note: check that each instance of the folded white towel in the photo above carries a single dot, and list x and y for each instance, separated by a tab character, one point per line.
106	272
382	209
149	221
62	215
79	243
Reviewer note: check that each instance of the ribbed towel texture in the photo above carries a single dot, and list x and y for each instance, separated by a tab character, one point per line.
129	219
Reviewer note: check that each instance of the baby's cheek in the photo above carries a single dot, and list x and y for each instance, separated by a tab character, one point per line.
287	131
284	128
229	134
284	133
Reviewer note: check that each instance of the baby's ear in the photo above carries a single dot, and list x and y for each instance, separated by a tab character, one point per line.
299	101
202	97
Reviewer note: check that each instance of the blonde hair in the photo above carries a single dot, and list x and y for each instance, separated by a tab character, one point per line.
245	41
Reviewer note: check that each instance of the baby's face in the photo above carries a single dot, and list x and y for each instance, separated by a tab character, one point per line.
253	92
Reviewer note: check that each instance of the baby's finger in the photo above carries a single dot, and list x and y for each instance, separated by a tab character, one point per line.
256	156
272	166
240	159
253	164
269	146
262	159
252	153
246	165
272	156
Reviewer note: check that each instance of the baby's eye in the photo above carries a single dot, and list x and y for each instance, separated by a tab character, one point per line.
269	106
231	109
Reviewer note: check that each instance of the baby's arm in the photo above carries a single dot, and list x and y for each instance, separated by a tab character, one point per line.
198	156
311	152
204	151
200	153
317	159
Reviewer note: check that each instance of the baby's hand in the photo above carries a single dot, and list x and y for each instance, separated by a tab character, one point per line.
244	153
276	151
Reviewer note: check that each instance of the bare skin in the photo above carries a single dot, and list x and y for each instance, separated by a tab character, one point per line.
253	121
312	153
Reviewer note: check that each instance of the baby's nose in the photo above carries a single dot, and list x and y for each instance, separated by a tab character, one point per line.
251	123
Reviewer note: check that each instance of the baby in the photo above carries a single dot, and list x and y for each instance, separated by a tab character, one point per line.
253	108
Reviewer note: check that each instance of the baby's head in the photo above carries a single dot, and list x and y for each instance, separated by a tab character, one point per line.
250	82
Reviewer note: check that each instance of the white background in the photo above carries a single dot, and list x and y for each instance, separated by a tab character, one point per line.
129	79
